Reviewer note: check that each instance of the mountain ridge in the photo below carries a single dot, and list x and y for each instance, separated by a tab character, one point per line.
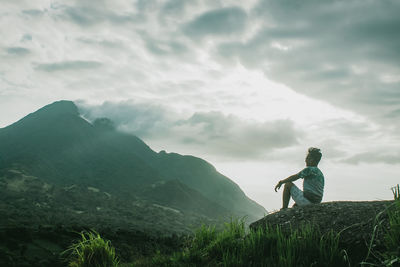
56	144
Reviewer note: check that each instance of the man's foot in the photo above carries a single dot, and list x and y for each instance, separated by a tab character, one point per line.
282	209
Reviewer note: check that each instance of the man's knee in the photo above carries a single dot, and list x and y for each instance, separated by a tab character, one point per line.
288	185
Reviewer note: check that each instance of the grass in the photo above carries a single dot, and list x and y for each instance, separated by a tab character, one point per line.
92	251
396	192
392	237
391	254
305	246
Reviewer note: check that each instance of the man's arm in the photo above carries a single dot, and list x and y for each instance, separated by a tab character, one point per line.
292	178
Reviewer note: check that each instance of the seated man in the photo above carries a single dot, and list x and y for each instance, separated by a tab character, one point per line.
313	183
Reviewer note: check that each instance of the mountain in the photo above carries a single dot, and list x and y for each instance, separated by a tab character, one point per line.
60	148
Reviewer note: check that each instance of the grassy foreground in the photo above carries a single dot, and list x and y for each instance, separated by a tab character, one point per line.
271	246
264	247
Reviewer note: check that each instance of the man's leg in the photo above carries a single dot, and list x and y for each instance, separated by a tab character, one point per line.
298	196
286	195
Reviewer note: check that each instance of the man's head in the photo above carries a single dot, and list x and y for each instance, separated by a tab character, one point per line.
313	157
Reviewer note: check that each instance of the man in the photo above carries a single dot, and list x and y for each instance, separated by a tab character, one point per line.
313	183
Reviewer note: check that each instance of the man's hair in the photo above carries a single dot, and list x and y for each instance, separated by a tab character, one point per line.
315	153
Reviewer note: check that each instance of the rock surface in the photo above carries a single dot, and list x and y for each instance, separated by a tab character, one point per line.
354	220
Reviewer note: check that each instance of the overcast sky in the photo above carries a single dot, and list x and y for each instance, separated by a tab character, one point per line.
247	86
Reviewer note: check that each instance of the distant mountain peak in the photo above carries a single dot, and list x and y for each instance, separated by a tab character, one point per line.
60	107
56	111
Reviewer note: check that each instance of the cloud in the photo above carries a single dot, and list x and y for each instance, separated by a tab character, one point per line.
68	65
323	50
393	114
102	42
146	5
84	16
388	157
21	51
224	21
26	37
141	119
173	7
161	48
213	133
89	14
233	137
33	12
348	128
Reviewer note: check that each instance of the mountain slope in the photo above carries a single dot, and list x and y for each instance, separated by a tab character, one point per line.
179	196
202	176
28	201
57	145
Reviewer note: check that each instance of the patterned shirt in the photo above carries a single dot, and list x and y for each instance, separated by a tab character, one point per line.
313	183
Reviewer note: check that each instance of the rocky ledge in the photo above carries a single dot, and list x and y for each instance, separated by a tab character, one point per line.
354	220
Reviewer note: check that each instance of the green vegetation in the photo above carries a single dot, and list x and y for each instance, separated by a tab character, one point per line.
391	254
396	192
92	251
392	237
264	247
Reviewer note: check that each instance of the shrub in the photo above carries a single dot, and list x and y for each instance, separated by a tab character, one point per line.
93	251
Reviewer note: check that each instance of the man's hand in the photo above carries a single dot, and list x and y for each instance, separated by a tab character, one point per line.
278	186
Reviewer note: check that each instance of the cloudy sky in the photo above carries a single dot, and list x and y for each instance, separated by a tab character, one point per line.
246	85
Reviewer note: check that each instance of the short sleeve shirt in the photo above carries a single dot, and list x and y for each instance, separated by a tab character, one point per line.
313	182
